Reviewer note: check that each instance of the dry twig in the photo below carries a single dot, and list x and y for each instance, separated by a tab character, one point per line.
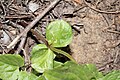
40	16
100	11
18	17
111	31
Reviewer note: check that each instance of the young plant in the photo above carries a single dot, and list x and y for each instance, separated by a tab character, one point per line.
58	34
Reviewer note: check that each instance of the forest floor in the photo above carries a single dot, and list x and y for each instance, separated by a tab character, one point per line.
95	23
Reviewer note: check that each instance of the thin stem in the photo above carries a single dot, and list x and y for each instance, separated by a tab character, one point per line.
63	53
40	37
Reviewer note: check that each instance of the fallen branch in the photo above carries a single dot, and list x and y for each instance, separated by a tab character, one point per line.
116	32
40	16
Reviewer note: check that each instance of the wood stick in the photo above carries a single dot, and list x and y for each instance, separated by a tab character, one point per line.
40	16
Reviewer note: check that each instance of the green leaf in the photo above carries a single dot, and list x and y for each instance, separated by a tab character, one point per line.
114	75
59	33
73	71
57	64
12	59
42	58
41	78
90	68
9	66
8	72
23	75
38	47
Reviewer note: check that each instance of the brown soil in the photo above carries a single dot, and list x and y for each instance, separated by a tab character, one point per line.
95	23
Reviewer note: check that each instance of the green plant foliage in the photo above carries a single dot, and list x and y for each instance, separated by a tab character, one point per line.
38	47
114	75
23	75
59	33
42	58
73	71
8	72
9	66
12	59
57	64
90	68
41	78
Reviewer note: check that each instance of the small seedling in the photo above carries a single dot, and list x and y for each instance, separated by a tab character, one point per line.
58	34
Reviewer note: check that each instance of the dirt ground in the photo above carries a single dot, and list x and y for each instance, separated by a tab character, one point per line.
95	23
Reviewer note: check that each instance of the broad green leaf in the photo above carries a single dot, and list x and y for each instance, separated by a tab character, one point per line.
42	58
9	66
114	75
12	59
41	78
59	33
8	72
57	64
73	71
38	47
23	75
90	68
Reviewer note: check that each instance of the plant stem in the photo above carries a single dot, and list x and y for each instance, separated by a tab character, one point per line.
40	37
63	53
